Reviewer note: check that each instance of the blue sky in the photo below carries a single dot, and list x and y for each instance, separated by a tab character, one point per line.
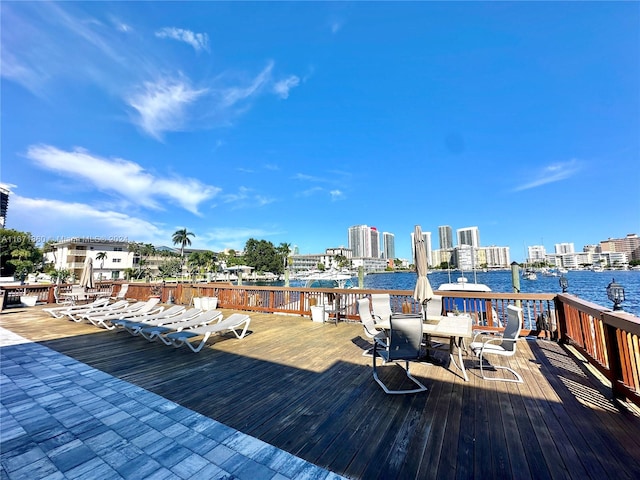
291	122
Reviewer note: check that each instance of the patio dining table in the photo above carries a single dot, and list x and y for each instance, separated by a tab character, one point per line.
455	328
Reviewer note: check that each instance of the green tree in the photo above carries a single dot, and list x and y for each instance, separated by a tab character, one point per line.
141	252
19	254
284	249
262	256
102	256
170	267
181	237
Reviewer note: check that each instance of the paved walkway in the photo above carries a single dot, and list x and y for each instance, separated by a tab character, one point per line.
60	418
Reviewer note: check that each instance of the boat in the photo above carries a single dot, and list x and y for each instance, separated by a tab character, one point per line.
529	275
328	279
466	305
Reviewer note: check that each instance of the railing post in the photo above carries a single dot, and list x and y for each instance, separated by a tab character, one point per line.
561	319
612	346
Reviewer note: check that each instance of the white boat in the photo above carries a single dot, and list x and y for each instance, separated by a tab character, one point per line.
467	305
529	275
463	285
328	279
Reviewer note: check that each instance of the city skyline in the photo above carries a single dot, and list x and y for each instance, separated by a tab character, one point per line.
290	122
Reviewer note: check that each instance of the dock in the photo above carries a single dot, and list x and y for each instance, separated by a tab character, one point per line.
305	388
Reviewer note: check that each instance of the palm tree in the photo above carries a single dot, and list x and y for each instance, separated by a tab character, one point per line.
102	256
181	237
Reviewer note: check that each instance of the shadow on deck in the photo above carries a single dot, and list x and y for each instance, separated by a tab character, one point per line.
306	388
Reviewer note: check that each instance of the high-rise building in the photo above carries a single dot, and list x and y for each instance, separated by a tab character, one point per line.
446	237
359	240
4	204
536	254
469	236
375	243
389	247
364	241
562	248
426	237
495	257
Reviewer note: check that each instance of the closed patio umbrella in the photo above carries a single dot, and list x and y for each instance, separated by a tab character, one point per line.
423	292
86	279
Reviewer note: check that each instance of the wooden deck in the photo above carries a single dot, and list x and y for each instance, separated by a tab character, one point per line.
306	388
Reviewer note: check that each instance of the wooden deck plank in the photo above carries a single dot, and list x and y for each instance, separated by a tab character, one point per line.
306	388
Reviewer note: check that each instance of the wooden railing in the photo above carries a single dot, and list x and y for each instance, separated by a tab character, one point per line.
609	340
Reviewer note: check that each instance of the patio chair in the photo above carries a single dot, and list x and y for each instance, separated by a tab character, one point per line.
231	323
76	313
200	320
405	345
381	306
503	345
135	310
150	318
369	324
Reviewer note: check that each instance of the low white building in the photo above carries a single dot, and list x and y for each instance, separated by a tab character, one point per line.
70	254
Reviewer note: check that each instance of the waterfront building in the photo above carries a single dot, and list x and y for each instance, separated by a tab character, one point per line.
469	236
389	247
464	256
629	245
345	252
360	240
445	234
369	264
375	243
536	254
563	248
70	254
441	256
495	257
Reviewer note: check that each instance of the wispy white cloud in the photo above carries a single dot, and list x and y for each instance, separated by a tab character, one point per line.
163	106
50	48
283	87
122	177
83	220
199	41
336	195
246	198
232	95
551	173
309	192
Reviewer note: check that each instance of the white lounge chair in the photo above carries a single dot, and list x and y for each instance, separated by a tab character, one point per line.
69	306
76	313
200	320
231	323
122	292
134	325
149	318
135	310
